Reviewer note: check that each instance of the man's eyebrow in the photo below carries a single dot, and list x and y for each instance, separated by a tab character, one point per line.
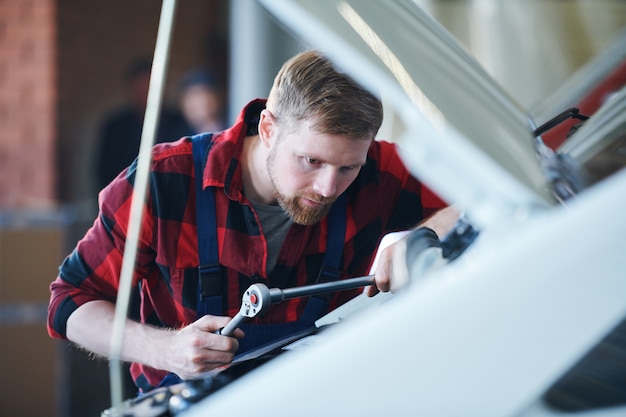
355	165
317	157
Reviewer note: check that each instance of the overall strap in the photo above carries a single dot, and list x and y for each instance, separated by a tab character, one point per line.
209	273
210	284
331	267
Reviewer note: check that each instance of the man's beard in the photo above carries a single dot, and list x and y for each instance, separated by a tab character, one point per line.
299	213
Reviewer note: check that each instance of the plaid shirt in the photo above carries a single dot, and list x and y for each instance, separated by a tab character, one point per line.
383	198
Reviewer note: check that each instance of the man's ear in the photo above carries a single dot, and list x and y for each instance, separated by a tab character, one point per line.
267	127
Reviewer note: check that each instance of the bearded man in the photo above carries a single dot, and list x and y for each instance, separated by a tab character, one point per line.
296	192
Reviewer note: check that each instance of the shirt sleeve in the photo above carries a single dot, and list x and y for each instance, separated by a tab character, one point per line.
412	200
91	271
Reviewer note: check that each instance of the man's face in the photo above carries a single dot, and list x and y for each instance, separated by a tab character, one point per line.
309	170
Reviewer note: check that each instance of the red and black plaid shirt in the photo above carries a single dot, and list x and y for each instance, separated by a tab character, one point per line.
383	198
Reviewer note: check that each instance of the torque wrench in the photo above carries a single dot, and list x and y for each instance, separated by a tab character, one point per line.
257	298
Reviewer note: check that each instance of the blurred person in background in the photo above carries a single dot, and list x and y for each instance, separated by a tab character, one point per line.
202	101
120	133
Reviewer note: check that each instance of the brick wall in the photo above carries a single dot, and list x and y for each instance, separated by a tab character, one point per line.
27	103
61	62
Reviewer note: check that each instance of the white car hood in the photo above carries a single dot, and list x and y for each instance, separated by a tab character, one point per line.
458	130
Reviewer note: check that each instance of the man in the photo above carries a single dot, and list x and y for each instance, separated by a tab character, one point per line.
299	192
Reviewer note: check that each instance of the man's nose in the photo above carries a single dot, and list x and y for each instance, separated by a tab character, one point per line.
326	182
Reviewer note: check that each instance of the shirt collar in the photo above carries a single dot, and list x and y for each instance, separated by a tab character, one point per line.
223	168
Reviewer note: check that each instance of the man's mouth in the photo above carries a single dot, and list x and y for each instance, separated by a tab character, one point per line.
311	203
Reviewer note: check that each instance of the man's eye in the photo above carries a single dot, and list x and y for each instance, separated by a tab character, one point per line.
313	161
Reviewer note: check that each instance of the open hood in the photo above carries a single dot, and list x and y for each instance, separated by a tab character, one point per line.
458	131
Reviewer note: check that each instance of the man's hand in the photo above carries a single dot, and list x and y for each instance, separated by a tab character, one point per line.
392	257
188	352
196	348
384	270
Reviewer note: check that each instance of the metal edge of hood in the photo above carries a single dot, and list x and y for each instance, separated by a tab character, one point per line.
457	130
597	146
595	133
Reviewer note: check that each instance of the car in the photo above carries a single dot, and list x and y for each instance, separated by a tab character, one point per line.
520	311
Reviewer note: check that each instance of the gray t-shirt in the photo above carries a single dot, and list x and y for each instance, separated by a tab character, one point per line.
275	224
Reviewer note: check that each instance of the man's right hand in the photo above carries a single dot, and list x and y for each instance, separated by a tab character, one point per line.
196	348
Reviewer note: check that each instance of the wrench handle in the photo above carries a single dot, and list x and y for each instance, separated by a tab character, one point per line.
232	325
278	294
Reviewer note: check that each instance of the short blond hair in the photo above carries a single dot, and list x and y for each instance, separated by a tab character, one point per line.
308	87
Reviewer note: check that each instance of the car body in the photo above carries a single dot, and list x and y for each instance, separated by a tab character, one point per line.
504	328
